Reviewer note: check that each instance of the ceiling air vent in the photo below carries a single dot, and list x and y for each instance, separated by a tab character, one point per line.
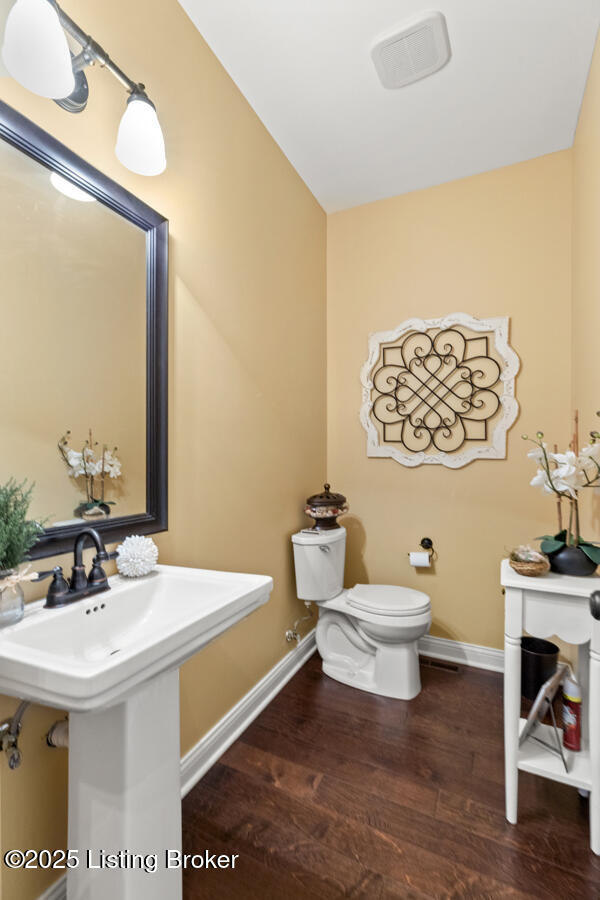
420	48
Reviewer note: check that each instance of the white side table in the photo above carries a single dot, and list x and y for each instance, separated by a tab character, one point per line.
552	605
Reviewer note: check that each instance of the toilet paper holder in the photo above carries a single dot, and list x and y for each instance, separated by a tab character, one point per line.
427	545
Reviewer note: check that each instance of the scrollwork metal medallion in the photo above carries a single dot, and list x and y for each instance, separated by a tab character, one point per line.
440	391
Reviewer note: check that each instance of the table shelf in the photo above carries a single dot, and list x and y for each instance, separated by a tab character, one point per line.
552	605
534	758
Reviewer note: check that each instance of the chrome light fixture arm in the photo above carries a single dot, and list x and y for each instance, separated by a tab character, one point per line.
92	52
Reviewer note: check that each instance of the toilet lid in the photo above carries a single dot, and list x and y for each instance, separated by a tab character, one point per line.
388	599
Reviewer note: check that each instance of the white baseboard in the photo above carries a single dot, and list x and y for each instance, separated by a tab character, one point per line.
209	748
207	751
460	652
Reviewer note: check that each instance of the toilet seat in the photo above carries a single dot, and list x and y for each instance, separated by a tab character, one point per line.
387	600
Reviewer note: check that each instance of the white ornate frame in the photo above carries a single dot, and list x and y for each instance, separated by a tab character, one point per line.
496	448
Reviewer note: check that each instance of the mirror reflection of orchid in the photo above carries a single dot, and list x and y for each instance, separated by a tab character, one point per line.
94	463
564	475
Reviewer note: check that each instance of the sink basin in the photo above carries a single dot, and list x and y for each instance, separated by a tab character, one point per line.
91	654
113	661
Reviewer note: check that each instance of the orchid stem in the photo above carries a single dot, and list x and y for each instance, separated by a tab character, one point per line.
559	511
570	528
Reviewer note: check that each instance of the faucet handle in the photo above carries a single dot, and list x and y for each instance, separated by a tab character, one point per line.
42	575
97	574
59	586
104	556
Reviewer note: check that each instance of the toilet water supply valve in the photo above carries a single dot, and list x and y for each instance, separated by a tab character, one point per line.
292	634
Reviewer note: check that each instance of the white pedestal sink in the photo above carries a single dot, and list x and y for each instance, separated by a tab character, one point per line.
112	660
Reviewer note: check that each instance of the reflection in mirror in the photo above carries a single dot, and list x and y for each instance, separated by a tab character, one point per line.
74	309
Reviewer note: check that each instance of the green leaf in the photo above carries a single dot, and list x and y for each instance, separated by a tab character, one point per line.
561	536
551	545
591	552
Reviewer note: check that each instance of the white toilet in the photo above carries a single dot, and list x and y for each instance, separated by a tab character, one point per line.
367	636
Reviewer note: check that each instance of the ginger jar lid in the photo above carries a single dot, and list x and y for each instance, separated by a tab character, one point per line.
326	498
325	507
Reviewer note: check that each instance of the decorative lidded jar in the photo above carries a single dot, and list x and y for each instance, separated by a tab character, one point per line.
324	508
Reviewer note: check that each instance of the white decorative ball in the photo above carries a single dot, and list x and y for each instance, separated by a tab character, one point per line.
138	555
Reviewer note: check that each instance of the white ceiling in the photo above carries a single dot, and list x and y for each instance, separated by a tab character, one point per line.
511	91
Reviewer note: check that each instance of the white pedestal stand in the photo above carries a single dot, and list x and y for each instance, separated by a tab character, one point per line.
125	796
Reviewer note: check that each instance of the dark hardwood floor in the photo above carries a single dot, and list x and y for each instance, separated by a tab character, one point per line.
333	792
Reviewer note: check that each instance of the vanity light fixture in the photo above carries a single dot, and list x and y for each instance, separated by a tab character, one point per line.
36	53
35	49
69	189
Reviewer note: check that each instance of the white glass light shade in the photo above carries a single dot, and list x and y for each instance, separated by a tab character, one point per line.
35	49
69	189
140	143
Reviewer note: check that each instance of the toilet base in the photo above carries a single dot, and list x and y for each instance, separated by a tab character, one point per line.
350	656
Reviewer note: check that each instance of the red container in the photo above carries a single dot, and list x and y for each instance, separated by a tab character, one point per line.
571	715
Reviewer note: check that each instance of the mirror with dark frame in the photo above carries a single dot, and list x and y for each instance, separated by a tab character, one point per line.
84	301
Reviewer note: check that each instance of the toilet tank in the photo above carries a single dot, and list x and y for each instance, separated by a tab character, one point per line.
319	563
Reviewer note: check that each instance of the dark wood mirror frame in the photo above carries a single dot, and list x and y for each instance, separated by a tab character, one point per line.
38	144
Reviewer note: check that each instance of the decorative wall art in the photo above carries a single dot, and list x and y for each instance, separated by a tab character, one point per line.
440	391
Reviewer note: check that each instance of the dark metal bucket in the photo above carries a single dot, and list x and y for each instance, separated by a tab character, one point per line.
539	660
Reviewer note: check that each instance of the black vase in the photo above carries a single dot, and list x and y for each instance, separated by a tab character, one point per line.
95	513
571	561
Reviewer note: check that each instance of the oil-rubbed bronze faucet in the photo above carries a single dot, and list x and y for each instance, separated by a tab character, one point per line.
80	584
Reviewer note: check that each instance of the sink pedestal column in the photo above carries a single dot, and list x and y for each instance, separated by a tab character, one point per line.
125	796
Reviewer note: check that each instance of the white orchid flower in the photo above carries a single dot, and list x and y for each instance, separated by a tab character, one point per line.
93	466
591	453
537	453
112	465
564	459
540	479
568	475
114	469
75	462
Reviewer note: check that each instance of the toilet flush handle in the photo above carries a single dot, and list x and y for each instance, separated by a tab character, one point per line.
324	548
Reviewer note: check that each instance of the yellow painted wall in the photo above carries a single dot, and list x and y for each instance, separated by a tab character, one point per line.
490	245
247	357
586	277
